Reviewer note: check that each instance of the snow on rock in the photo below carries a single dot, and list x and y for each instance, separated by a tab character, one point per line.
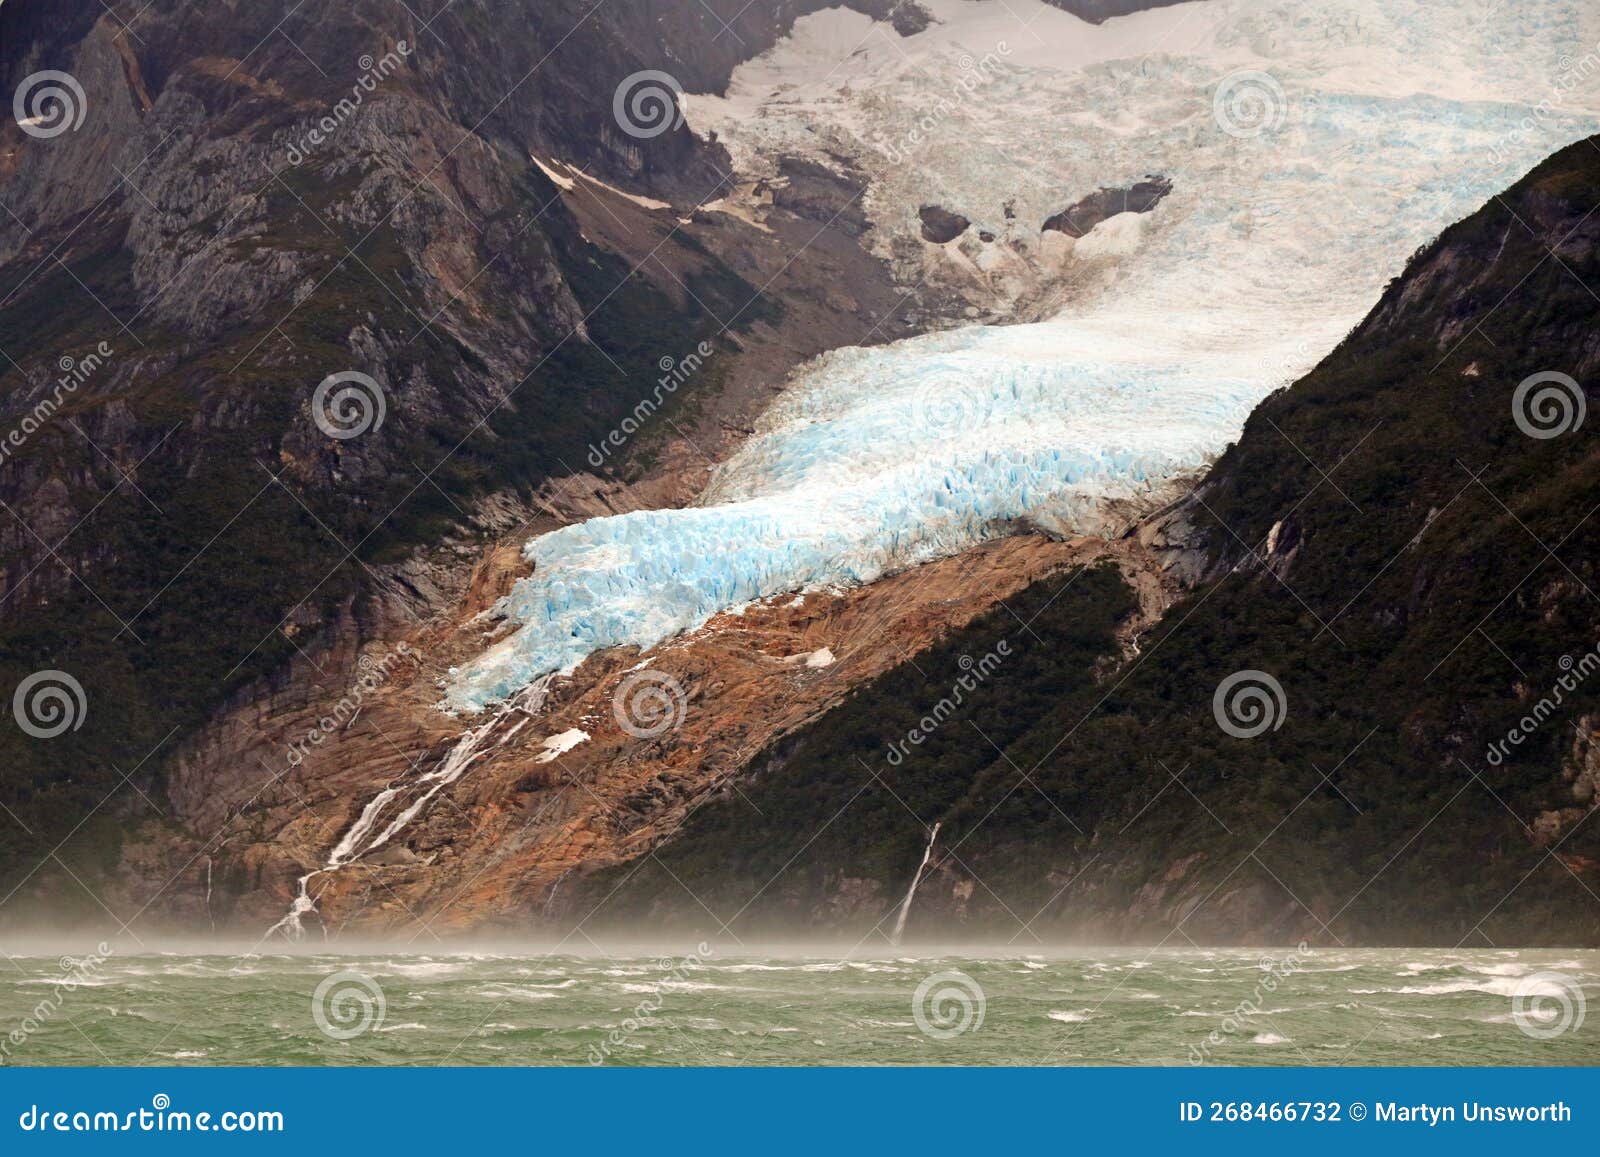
558	745
1368	127
812	660
1116	236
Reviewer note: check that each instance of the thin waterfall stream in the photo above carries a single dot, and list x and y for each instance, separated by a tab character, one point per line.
358	840
911	892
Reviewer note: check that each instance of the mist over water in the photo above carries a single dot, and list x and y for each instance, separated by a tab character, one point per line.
697	1004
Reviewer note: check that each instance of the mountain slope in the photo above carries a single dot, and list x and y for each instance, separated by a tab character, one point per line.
259	199
1385	541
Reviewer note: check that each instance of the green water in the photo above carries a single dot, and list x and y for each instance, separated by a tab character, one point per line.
1133	1007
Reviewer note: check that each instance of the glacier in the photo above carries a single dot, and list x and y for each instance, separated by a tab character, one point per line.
1371	126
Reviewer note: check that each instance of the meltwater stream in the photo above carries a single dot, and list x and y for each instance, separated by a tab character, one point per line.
1312	146
911	892
359	840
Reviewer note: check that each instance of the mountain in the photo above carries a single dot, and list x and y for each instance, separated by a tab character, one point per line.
486	465
1399	552
258	199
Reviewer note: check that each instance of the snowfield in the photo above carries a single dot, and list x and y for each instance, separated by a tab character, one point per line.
1313	145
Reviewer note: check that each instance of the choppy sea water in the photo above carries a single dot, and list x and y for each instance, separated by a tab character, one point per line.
1127	1007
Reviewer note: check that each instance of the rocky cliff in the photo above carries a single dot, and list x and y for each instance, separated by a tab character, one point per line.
241	204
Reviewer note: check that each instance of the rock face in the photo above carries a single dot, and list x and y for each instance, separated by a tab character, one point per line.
492	849
940	226
1081	216
910	18
255	203
1099	11
828	196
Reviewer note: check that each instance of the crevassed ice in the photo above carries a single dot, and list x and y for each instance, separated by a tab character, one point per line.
1393	120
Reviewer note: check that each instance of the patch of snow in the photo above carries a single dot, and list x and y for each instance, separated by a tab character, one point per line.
566	177
558	745
1116	236
566	184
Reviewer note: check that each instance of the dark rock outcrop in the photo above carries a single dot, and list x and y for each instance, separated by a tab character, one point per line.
1081	216
827	196
1099	11
910	18
940	226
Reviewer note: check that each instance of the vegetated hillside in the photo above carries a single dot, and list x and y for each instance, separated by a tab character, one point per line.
1414	570
177	527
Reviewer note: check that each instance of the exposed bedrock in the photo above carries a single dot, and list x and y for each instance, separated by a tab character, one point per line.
940	226
1081	216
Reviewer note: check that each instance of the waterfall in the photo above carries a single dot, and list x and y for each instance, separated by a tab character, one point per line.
911	892
209	916
551	899
358	841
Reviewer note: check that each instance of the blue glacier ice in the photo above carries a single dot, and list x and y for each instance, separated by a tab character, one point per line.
1164	331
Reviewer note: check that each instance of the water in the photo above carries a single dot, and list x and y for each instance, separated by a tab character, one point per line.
1124	1007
